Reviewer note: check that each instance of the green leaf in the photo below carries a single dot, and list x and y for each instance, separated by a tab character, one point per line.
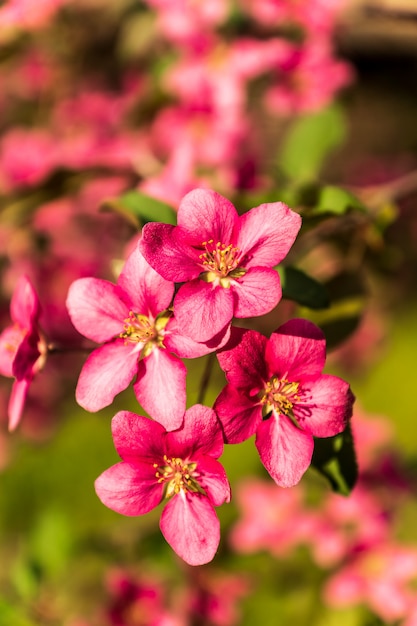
347	293
139	208
335	459
337	201
303	289
309	141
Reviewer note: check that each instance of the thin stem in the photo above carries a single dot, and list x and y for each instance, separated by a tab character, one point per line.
205	379
53	348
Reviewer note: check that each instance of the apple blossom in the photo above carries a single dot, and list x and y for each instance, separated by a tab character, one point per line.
277	390
225	260
139	333
179	466
22	347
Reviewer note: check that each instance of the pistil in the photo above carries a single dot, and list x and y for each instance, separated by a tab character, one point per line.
178	475
280	395
220	262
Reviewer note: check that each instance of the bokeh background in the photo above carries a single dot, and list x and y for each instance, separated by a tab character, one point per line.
110	111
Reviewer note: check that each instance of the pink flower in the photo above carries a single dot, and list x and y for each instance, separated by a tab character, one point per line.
178	466
270	519
225	260
383	578
22	347
134	599
277	390
27	158
139	334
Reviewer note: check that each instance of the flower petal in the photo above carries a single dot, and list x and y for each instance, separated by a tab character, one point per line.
329	409
129	489
203	310
296	350
10	340
137	438
17	401
186	348
96	308
257	292
205	214
267	233
24	305
191	527
149	293
239	415
244	362
166	249
107	371
285	450
161	388
26	356
213	479
200	434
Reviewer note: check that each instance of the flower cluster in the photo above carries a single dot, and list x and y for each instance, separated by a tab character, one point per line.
224	265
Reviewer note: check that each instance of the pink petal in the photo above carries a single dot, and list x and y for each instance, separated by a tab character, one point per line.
129	489
161	389
191	527
96	308
285	450
267	233
329	409
203	311
137	438
168	252
186	348
213	479
297	349
24	306
10	340
239	415
257	292
17	401
26	356
147	290
107	371
206	215
199	434
244	363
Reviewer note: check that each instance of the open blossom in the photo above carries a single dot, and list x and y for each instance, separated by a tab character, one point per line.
22	347
133	321
225	260
179	466
277	390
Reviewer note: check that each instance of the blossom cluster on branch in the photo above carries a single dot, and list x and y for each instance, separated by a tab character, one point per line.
225	267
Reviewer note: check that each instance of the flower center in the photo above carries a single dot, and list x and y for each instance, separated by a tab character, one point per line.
138	328
178	475
220	262
280	395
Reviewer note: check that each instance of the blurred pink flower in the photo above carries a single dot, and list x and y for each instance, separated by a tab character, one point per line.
180	466
134	601
270	518
308	80
276	389
213	598
383	578
189	23
22	347
26	14
27	157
